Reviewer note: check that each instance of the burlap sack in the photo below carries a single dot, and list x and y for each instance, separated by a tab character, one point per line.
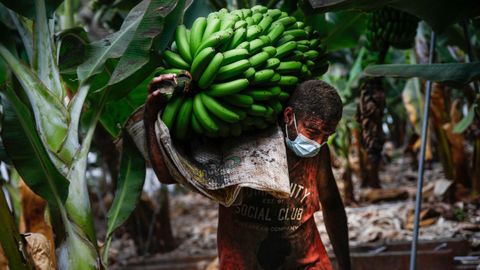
220	168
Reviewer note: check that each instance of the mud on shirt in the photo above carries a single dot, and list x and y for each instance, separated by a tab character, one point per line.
267	233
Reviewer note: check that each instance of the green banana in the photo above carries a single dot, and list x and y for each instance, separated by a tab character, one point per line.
201	61
257	18
244	45
216	39
272	63
297	33
288	81
284	39
183	119
203	116
266	22
211	71
258	59
234	55
170	111
259	9
255	45
213	25
270	50
196	34
285	49
240	111
175	60
275	90
197	128
275	78
249	21
232	70
302	48
274	13
289	67
246	12
276	105
263	76
257	110
266	40
311	54
253	32
287	21
239	100
249	73
217	109
259	95
275	32
238	38
227	88
240	24
182	43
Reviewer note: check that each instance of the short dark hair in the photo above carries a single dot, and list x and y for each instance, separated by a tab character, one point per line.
318	99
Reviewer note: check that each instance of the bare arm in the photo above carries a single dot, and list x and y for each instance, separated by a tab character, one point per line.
333	210
156	101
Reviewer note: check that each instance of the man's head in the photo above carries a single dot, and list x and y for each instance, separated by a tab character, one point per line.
317	108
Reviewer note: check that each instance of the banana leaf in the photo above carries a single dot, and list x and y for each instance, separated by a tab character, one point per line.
455	74
28	155
25	7
437	13
132	45
129	188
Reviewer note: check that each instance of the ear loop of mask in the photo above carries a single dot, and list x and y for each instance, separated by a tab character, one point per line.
294	122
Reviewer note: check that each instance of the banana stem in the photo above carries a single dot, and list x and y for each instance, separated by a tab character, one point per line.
68	14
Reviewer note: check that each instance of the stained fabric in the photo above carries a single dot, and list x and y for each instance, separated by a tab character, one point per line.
267	233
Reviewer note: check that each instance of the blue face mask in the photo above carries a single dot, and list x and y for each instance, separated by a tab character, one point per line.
302	146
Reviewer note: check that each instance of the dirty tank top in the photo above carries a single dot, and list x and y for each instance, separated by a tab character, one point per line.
267	233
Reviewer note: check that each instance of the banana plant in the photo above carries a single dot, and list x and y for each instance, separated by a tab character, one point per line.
41	121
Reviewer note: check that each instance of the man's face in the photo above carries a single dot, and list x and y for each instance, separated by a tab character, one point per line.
313	128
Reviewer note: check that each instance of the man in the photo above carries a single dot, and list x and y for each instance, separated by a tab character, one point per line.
269	233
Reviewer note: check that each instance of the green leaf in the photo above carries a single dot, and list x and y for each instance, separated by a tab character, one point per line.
44	60
28	154
129	188
27	9
339	30
136	58
71	46
132	42
456	74
51	116
117	112
461	126
171	22
437	13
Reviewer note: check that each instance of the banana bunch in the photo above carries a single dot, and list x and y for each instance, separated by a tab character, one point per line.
389	26
243	64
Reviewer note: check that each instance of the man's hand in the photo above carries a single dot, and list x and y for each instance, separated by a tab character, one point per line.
333	210
156	100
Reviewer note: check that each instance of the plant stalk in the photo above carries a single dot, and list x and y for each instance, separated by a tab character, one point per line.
69	21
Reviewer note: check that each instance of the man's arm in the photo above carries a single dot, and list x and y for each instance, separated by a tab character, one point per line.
333	210
155	102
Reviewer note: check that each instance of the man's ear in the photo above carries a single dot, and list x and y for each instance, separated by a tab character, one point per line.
288	116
